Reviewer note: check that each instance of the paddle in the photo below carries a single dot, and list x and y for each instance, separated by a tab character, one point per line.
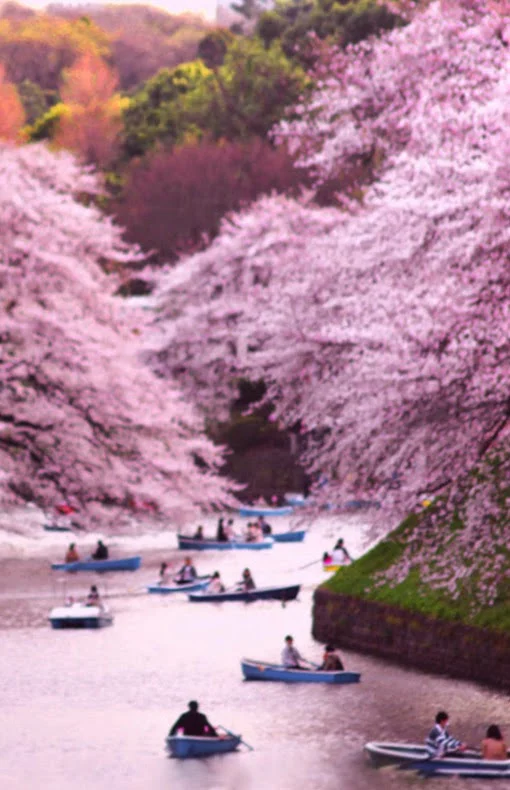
308	564
233	735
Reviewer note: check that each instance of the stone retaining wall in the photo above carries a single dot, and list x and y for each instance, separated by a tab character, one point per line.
412	639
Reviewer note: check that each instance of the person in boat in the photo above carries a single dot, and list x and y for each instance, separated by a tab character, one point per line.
72	554
221	534
439	742
229	529
254	533
331	661
264	527
187	573
340	553
163	573
93	598
247	583
493	745
101	552
291	657
199	534
193	723
215	585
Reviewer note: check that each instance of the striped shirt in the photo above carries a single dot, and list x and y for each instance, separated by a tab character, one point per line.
439	742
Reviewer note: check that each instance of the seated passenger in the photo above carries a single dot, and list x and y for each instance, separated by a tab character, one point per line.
187	573
93	598
221	534
163	574
291	657
71	553
331	661
101	552
493	745
254	533
439	741
246	582
193	723
199	534
215	585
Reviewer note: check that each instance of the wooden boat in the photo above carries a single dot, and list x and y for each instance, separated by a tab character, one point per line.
260	670
79	615
56	528
415	757
167	589
204	544
292	536
258	594
121	564
200	746
285	510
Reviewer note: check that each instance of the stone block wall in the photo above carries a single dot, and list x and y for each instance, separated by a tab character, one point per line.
412	639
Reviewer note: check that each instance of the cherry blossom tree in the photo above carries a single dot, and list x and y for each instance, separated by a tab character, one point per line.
82	420
381	329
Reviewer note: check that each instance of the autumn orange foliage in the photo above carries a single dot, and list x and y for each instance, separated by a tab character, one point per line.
12	115
91	124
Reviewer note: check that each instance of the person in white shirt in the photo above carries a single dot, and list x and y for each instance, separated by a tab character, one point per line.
291	657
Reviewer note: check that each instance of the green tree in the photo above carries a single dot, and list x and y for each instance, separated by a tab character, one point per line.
35	100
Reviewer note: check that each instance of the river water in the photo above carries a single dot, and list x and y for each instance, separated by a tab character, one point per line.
90	709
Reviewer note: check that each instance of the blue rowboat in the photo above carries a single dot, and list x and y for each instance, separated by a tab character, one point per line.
79	615
260	670
258	594
246	510
56	528
122	564
415	757
200	746
167	589
205	544
292	536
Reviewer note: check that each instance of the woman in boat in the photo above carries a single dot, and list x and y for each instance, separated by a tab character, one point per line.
493	745
215	585
71	553
331	661
163	573
247	583
93	598
254	532
221	534
187	573
101	552
199	534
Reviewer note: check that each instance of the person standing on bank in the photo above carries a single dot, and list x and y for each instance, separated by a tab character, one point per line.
439	741
193	723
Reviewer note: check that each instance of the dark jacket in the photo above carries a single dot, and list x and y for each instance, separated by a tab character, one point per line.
101	553
193	723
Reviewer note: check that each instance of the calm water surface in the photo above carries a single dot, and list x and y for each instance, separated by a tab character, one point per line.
90	709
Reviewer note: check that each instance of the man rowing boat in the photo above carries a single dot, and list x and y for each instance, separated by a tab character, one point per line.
439	741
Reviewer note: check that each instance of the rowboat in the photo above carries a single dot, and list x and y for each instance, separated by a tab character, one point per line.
260	670
415	757
121	564
258	594
167	589
292	536
204	544
79	615
56	528
285	510
199	746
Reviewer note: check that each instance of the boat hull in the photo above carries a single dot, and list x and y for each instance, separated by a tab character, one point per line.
194	544
183	746
122	564
80	616
414	757
259	670
286	510
295	536
289	593
168	589
56	528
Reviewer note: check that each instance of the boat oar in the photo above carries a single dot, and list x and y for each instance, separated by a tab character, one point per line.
233	735
308	564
